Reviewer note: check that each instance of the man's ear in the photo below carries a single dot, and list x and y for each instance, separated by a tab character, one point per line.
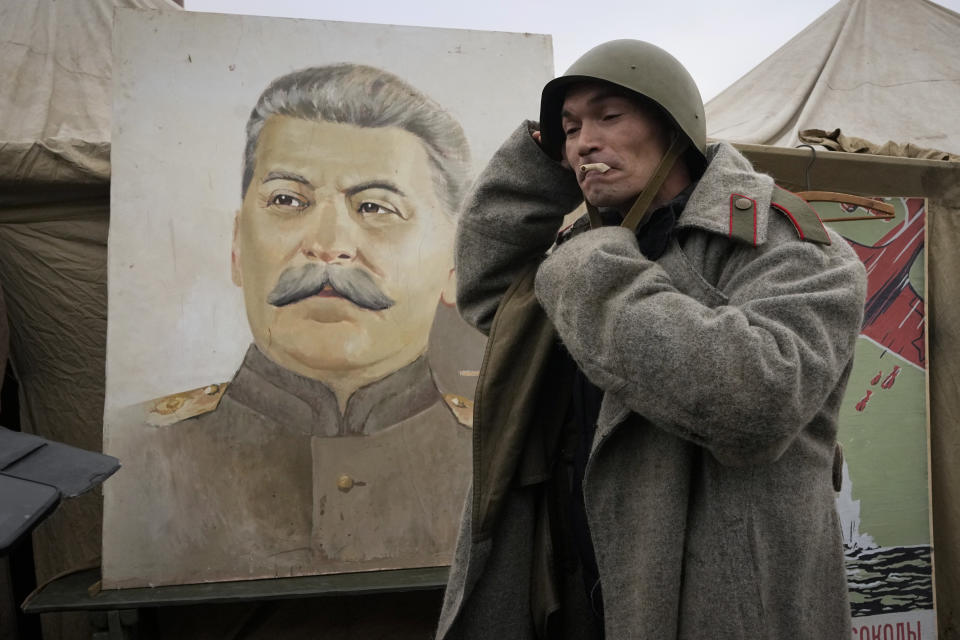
235	252
449	294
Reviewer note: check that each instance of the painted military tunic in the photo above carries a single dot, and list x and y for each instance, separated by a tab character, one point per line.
265	477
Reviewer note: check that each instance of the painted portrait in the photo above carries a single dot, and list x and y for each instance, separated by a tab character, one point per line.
289	387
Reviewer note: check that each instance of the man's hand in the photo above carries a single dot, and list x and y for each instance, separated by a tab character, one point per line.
563	159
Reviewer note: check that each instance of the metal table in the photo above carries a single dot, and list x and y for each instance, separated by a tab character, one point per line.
114	612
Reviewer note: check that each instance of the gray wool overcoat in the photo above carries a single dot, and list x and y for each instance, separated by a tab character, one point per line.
711	510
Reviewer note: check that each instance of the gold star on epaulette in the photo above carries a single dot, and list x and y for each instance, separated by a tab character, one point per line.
186	404
462	408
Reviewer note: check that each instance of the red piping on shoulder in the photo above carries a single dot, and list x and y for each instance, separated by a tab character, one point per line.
782	208
796	225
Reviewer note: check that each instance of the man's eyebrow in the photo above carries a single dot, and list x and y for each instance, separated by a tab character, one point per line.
386	185
287	175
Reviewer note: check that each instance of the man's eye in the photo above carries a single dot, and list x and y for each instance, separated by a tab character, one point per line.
571	130
288	201
372	208
612	116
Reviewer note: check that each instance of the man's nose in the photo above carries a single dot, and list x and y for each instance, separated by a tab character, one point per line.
330	234
588	140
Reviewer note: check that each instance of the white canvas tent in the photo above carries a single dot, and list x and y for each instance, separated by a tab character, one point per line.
876	69
886	73
55	62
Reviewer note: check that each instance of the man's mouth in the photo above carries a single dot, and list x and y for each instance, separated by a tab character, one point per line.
327	292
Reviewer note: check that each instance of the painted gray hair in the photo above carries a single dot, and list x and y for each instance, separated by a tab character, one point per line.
367	97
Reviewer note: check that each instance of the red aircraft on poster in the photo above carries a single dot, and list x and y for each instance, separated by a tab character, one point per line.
894	314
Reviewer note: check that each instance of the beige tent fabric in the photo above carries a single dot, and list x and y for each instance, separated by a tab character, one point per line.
55	66
55	61
55	119
53	161
869	67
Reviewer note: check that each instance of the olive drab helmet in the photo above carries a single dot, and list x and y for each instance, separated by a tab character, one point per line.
639	67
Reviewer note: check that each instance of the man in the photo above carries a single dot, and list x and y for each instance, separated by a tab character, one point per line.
656	414
332	448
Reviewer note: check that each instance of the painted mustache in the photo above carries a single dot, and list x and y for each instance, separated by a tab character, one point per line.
356	285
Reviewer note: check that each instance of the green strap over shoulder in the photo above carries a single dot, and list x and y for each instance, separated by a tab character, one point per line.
641	207
801	214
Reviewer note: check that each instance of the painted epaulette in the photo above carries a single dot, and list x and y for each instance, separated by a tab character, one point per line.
186	404
461	408
743	217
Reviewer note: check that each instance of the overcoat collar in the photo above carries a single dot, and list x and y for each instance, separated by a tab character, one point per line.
730	180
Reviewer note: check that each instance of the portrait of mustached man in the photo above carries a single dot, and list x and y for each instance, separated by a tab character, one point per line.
332	447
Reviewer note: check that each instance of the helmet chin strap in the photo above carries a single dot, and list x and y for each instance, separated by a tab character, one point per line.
641	206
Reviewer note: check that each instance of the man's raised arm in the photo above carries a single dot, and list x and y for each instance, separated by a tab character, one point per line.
510	219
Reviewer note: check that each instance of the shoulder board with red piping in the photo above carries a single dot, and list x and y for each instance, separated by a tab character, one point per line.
801	214
743	217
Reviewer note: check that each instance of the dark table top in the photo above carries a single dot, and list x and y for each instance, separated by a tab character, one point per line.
80	591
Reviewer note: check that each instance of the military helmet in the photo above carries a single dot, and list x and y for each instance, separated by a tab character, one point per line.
640	67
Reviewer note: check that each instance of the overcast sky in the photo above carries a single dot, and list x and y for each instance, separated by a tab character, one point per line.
718	41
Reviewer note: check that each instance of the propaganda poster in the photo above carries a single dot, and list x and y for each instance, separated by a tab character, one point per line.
884	503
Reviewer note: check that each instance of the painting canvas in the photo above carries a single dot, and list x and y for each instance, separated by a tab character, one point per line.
884	503
288	383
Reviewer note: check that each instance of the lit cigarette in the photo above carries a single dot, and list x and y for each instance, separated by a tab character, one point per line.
600	167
